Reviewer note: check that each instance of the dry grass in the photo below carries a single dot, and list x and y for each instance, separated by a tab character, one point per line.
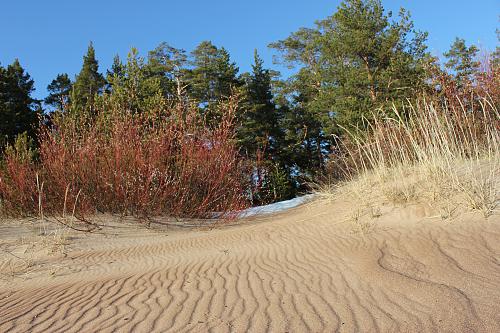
447	159
22	256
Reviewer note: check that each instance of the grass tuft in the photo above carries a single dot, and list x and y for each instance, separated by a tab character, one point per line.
447	158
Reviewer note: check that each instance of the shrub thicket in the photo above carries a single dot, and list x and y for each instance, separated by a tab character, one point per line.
167	162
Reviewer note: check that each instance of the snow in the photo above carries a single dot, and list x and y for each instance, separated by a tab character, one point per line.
275	207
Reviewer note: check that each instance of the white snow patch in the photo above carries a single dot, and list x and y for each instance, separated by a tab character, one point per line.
275	207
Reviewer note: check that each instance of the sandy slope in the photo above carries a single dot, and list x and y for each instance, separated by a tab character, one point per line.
307	270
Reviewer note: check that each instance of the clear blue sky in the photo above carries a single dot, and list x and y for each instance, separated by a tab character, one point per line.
51	36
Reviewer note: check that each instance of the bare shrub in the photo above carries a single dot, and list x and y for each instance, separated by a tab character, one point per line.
167	162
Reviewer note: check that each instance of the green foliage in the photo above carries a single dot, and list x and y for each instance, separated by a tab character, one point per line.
304	141
304	146
348	66
274	184
260	128
213	77
168	65
115	74
261	137
22	149
88	84
132	87
354	62
461	61
279	184
18	110
59	90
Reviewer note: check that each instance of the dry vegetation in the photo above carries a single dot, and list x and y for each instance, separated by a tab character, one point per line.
444	157
168	162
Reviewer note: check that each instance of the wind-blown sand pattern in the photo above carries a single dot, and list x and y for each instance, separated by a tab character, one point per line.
306	270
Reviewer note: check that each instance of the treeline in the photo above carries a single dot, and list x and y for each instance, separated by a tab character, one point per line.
347	66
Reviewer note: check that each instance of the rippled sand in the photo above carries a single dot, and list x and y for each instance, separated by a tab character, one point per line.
310	269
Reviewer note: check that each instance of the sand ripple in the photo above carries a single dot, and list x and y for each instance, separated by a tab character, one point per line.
302	271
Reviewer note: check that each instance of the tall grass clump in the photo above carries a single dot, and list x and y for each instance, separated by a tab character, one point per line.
441	149
428	152
164	162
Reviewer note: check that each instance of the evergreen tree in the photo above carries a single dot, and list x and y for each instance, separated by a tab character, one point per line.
461	61
226	74
356	61
304	147
88	83
260	136
168	64
260	128
116	74
18	110
59	90
212	77
298	97
133	87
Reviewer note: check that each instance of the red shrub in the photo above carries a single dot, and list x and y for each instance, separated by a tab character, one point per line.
168	163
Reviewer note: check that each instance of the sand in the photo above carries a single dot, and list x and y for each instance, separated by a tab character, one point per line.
314	268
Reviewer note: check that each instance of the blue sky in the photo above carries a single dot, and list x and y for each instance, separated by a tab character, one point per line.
50	37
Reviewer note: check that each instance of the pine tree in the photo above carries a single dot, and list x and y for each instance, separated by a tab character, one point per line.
168	65
304	147
226	75
132	85
298	97
116	74
59	90
213	76
260	124
18	110
356	61
260	136
88	83
461	61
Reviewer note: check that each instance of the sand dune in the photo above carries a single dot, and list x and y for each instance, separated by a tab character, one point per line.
309	269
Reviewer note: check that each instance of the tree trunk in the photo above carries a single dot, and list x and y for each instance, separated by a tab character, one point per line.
373	94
